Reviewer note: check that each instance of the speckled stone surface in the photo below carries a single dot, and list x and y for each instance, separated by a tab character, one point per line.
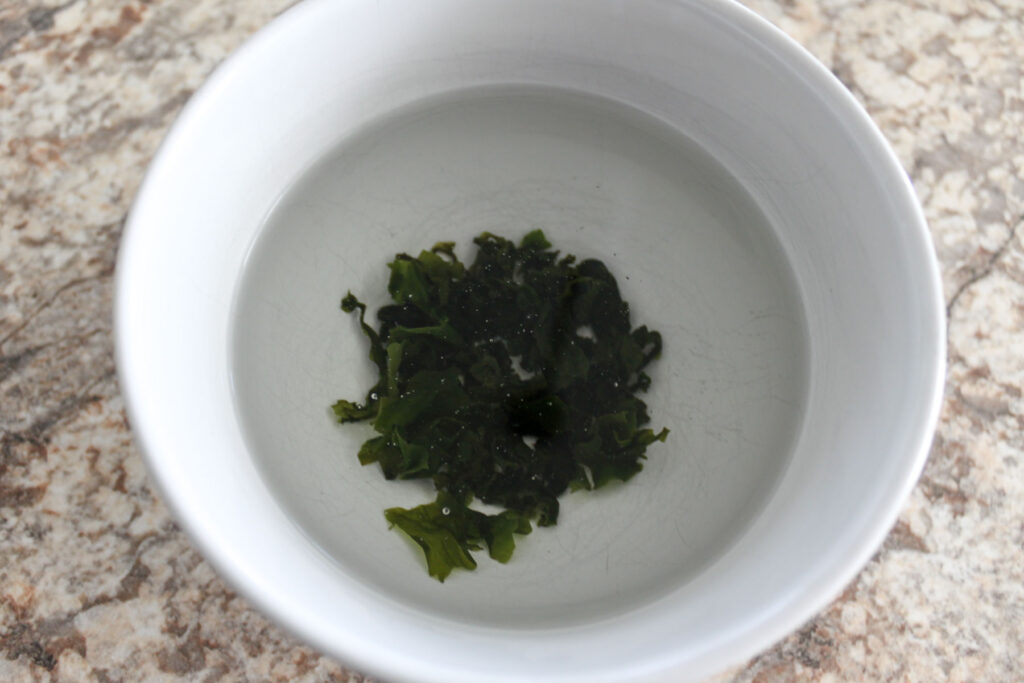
98	583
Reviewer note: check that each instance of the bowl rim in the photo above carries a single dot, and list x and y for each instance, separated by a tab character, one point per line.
813	598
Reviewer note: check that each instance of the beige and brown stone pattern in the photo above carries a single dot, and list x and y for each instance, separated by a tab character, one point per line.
98	583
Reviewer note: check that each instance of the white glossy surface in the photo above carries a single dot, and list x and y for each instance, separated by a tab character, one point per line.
778	122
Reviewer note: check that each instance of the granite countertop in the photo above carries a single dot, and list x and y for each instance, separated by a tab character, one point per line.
98	583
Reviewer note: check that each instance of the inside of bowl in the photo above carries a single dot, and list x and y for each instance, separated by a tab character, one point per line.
763	225
695	257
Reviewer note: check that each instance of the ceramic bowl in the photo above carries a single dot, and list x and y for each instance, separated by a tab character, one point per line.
751	212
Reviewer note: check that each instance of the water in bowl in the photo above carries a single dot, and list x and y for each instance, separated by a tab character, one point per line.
695	258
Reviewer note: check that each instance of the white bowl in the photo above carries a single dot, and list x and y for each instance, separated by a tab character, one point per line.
753	214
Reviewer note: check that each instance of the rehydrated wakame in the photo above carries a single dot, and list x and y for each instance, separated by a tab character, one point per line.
510	380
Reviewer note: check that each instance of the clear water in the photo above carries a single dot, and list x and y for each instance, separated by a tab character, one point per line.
695	258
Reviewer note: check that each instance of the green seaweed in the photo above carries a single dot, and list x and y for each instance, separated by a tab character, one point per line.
509	381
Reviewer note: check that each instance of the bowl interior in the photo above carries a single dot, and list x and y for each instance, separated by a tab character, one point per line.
695	257
765	228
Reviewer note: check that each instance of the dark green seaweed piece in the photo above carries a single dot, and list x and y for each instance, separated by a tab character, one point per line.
508	381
